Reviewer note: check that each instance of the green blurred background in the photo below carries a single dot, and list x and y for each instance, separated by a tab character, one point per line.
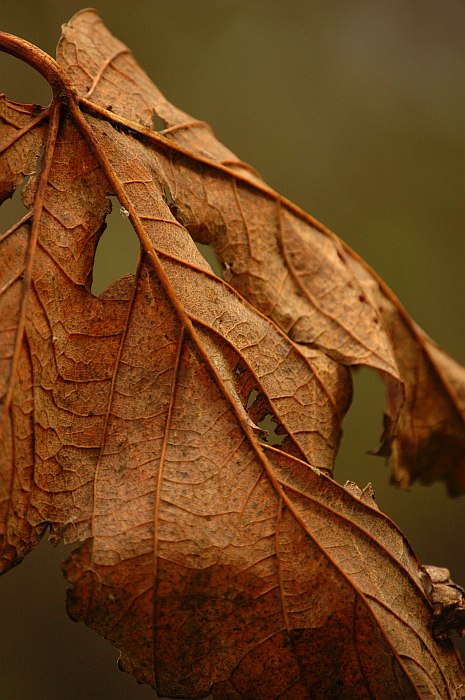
355	111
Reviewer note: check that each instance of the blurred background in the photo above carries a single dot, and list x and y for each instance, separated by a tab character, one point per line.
356	112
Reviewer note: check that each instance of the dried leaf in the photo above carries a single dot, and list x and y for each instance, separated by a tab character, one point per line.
215	562
295	271
427	435
367	494
448	599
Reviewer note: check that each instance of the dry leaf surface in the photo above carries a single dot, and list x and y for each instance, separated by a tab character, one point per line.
214	561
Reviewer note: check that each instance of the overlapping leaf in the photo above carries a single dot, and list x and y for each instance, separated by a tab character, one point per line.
426	437
291	268
213	561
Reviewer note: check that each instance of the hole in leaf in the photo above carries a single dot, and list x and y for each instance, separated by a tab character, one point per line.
117	250
158	123
240	368
167	194
362	430
252	398
270	437
211	257
12	209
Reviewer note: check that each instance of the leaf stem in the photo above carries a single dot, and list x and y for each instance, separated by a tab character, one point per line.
40	61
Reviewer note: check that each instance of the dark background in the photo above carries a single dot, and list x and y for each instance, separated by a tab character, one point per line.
356	112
